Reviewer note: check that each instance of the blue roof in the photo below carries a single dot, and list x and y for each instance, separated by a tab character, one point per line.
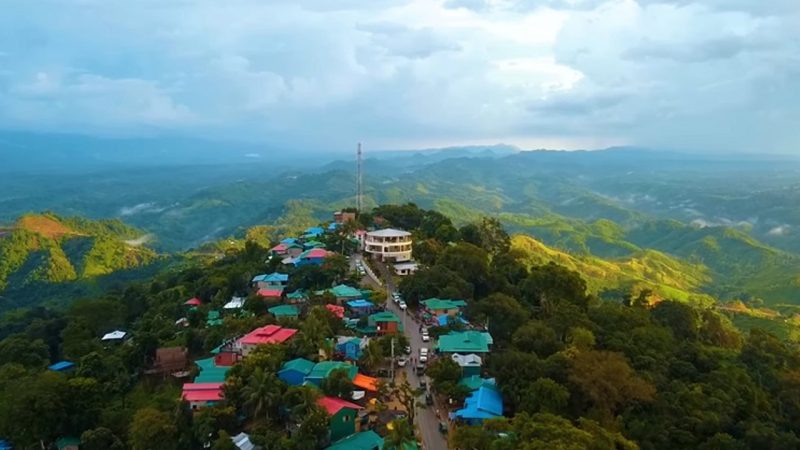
360	303
61	366
485	403
445	318
332	226
289	241
5	445
315	231
259	278
275	276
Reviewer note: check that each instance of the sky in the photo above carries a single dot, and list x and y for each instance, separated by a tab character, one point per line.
704	75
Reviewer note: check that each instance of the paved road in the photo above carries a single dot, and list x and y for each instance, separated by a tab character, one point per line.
426	419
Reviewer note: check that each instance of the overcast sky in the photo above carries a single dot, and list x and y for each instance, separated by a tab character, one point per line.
720	75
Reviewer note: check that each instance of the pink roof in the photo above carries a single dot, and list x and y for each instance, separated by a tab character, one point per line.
269	334
270	292
337	310
202	392
316	253
193	302
279	248
333	405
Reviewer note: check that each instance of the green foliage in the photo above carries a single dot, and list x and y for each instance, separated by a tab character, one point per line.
338	384
152	430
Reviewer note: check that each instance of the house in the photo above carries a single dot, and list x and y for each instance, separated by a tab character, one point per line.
68	443
272	280
385	322
360	307
485	403
169	360
350	347
211	371
296	297
365	383
213	319
269	334
273	293
313	232
470	364
323	369
114	336
365	440
313	244
289	240
336	310
200	395
438	306
340	217
405	268
314	256
464	342
294	372
62	366
343	416
286	249
195	302
344	293
242	442
474	382
389	245
284	311
235	303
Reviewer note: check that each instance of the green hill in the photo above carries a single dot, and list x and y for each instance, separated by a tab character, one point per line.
46	248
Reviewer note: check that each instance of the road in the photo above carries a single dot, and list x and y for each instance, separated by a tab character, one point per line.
426	420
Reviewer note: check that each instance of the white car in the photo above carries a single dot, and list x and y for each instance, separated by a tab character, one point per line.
423	354
426	337
403	305
401	362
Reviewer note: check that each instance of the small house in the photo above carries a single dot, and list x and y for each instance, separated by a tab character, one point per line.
271	280
213	319
313	244
297	297
438	306
405	268
350	347
385	322
212	370
343	416
345	293
336	310
360	307
285	311
314	256
464	342
341	217
485	403
269	334
474	382
365	440
193	302
242	442
313	232
294	372
323	369
169	360
273	293
200	395
470	364
235	304
114	336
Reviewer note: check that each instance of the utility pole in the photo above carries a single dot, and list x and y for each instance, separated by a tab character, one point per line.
359	192
392	366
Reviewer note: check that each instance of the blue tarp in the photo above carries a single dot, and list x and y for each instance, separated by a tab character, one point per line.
5	445
444	319
60	367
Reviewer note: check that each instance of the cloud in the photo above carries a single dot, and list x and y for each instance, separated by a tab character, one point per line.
779	230
710	75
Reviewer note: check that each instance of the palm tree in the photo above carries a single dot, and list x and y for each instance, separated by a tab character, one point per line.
301	401
372	356
400	435
263	389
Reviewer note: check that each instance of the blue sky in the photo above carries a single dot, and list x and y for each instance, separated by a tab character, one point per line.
717	75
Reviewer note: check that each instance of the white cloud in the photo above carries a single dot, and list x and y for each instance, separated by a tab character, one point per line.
715	74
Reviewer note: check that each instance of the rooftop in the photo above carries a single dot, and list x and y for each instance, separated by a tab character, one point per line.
365	440
485	403
275	291
474	382
61	366
313	253
333	405
210	372
384	316
389	232
235	303
323	369
114	336
345	291
193	302
301	365
360	303
337	310
202	392
441	303
464	342
467	360
269	334
277	277
364	382
284	311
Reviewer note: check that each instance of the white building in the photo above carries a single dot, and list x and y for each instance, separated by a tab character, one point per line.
405	268
389	245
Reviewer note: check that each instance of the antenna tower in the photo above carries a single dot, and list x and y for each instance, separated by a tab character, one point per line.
359	192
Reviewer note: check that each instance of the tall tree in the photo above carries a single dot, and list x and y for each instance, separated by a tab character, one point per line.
400	435
260	394
152	429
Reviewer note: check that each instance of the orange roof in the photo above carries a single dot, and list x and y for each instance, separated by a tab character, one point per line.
364	382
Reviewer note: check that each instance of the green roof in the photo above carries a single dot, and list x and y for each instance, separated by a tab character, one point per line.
323	369
464	342
474	382
67	441
365	440
297	295
299	364
344	290
284	311
440	303
210	372
213	314
385	316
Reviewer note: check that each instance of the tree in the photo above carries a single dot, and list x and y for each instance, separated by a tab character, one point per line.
100	439
338	384
535	336
313	430
470	263
504	314
22	350
608	382
260	394
681	318
224	442
400	434
545	396
443	370
300	400
551	284
407	396
151	429
372	357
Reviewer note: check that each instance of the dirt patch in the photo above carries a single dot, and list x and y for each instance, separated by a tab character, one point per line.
46	226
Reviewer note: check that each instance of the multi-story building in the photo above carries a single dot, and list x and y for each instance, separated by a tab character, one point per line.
389	245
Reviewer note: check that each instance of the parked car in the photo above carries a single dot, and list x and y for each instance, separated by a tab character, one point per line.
402	305
396	298
423	354
423	383
401	362
428	398
420	369
443	427
425	336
